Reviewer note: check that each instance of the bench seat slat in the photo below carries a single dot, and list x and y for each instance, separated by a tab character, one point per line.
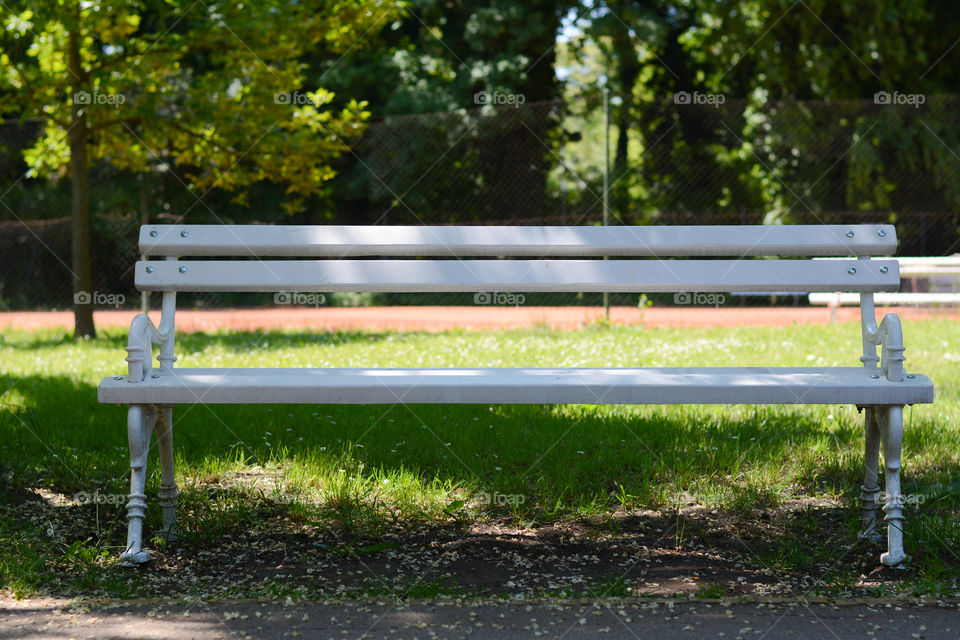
707	385
626	276
341	241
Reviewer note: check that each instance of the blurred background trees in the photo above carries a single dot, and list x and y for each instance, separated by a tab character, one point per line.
480	111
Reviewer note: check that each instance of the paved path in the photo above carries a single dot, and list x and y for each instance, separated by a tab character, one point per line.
476	317
35	619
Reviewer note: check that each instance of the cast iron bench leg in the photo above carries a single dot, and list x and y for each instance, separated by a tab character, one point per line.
870	491
168	483
891	431
140	422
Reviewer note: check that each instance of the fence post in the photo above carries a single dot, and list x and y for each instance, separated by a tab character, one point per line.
606	181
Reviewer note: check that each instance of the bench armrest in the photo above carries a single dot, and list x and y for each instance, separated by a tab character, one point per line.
888	335
143	335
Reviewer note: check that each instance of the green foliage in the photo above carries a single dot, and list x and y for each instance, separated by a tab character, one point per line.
198	87
763	156
712	590
214	91
443	58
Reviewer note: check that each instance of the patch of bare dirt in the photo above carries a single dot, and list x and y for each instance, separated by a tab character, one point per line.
696	552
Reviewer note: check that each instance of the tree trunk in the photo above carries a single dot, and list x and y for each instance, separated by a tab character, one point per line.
80	246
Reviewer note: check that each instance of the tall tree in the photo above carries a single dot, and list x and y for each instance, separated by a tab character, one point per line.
214	89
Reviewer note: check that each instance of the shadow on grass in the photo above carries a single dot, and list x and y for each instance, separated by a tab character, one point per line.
235	340
56	428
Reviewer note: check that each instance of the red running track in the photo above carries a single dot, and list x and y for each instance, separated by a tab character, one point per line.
443	318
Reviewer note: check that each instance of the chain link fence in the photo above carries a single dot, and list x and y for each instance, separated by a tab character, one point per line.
687	159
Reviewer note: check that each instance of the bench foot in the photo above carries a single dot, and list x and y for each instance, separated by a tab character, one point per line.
134	559
894	561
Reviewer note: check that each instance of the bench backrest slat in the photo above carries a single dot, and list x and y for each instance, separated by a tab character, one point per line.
519	275
463	241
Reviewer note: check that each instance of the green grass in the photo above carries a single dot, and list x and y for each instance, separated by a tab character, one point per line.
712	590
363	469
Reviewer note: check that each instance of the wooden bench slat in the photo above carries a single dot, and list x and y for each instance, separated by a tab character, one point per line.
338	241
638	276
709	385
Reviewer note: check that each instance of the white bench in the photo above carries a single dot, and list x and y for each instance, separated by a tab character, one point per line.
517	259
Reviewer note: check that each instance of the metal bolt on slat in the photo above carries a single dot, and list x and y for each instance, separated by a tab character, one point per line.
881	233
875	376
182	269
184	234
149	269
883	269
849	234
852	270
154	233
